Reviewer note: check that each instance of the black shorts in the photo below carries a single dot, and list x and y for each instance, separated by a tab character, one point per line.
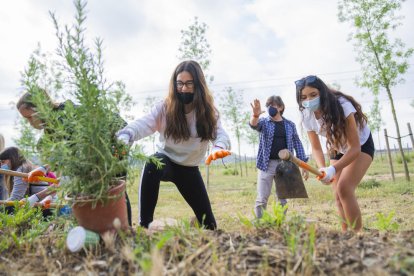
368	147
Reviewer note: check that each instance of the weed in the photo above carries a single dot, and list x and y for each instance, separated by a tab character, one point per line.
385	222
310	246
407	158
273	218
293	231
404	265
231	172
369	184
22	227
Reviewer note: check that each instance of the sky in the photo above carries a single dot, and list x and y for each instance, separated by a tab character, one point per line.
259	47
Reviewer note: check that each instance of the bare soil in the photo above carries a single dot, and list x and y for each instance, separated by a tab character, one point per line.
251	252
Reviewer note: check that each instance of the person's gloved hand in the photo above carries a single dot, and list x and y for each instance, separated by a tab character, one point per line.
34	174
31	199
217	153
124	136
329	174
45	203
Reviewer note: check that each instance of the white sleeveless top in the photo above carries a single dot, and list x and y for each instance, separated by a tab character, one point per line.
310	123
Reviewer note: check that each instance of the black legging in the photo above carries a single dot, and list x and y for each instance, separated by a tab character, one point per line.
123	176
129	211
189	183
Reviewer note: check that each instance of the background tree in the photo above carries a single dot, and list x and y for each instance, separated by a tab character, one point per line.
27	139
148	104
230	108
374	119
251	135
383	60
194	46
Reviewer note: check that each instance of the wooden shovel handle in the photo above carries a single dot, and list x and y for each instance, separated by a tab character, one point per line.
288	156
26	175
37	204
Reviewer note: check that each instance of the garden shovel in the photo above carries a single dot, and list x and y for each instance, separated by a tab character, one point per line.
288	156
43	204
26	175
289	183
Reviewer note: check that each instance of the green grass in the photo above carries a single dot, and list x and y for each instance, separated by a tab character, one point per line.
231	195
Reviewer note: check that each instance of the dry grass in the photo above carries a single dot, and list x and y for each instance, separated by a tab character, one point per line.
308	243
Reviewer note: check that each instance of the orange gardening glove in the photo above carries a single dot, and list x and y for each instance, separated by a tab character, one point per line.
217	153
46	202
34	174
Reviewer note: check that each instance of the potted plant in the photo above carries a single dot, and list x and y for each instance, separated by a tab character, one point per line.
79	139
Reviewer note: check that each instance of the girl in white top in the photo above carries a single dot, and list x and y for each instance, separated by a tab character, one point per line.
340	119
187	121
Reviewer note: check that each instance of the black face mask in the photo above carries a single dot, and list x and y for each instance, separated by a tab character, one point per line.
272	111
186	98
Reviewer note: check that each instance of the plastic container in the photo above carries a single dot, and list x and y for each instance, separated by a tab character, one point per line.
65	211
79	238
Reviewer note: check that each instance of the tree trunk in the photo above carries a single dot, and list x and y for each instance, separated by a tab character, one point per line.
379	143
407	175
389	154
240	162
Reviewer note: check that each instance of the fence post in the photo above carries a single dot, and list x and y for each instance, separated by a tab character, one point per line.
208	169
245	163
389	154
379	143
411	136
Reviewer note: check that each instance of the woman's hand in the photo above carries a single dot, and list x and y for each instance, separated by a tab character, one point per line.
217	153
34	174
33	199
329	173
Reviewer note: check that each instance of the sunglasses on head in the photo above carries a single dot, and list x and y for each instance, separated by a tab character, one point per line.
305	81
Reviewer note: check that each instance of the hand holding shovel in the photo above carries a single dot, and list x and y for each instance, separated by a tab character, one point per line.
44	204
26	175
288	156
217	153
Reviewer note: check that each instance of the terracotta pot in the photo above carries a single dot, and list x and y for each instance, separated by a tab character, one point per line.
101	218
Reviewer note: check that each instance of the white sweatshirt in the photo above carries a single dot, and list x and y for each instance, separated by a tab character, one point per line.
186	153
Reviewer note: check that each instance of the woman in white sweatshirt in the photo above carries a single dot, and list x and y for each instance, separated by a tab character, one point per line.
186	121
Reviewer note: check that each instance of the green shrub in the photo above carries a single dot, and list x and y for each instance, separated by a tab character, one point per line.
369	184
21	228
386	222
407	157
231	172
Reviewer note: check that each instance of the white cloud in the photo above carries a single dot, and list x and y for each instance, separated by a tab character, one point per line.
258	46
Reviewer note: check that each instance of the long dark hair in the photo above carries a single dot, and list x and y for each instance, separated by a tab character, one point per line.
26	100
16	160
203	103
332	112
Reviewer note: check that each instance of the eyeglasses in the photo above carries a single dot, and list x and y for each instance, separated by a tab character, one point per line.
305	81
188	84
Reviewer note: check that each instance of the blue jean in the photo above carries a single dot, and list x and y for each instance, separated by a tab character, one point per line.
3	190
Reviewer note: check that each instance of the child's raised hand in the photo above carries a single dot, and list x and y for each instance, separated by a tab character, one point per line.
256	108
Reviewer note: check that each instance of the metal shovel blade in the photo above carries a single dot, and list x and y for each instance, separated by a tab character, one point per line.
289	183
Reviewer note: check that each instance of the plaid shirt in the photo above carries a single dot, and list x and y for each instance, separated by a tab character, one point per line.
266	127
